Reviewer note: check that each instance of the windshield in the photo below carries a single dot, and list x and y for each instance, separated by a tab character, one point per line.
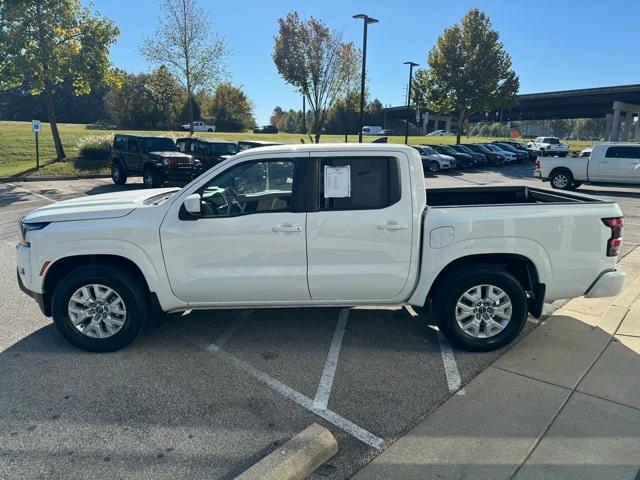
428	150
449	150
224	148
464	149
492	147
507	147
157	144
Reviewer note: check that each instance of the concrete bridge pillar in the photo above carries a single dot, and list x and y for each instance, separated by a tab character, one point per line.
638	129
448	123
607	126
615	126
628	120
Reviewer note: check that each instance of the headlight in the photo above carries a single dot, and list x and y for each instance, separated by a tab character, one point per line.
28	227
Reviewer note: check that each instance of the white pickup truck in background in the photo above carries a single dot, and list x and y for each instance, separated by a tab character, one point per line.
612	163
548	146
313	226
199	127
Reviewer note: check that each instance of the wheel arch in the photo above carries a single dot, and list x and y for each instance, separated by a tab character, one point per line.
520	266
61	267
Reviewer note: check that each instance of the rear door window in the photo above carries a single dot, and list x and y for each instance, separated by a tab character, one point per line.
623	152
373	183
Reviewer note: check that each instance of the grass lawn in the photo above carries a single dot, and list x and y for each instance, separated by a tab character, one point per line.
17	144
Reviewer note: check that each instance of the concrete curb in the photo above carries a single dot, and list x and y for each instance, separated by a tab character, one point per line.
297	458
43	178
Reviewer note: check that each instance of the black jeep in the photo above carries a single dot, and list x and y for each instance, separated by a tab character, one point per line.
209	152
155	158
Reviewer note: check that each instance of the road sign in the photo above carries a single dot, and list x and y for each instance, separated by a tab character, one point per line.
35	125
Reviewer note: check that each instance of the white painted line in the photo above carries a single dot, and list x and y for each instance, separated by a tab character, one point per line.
450	365
33	193
228	333
326	381
448	359
304	401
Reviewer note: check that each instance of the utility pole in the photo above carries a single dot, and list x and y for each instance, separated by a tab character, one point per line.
406	127
366	20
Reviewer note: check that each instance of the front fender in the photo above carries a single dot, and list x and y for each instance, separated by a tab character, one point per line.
435	260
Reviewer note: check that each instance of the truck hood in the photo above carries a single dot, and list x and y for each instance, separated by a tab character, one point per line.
106	205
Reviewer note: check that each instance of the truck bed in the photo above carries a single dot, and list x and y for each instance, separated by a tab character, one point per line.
501	195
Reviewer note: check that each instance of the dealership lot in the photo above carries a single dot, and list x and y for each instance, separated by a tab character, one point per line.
207	394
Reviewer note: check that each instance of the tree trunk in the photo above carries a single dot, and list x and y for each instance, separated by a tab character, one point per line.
317	125
190	110
51	107
461	117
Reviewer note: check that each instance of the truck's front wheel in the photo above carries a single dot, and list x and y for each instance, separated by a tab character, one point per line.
480	308
95	310
151	177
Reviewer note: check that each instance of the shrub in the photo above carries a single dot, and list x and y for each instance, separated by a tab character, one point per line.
95	147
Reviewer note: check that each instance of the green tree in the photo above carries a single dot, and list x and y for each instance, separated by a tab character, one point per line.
314	60
469	70
48	43
185	44
231	109
165	96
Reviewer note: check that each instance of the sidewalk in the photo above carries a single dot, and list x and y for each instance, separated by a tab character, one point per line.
563	403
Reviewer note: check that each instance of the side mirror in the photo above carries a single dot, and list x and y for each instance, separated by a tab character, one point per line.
192	204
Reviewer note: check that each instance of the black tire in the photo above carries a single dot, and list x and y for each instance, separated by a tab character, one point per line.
118	173
130	291
577	184
210	130
434	167
459	281
151	178
542	153
561	179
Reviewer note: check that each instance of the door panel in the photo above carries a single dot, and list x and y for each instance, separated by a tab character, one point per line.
249	248
358	253
610	167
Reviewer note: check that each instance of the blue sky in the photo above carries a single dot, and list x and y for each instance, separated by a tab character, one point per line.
554	45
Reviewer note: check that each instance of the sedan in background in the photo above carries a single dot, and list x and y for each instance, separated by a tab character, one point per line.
463	160
479	159
433	161
508	156
494	158
521	156
439	133
266	129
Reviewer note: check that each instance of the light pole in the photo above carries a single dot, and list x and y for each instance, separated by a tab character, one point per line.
366	20
406	127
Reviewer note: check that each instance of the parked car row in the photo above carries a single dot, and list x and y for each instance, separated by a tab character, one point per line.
160	159
474	155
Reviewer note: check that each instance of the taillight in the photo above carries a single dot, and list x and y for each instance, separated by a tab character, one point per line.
538	164
613	244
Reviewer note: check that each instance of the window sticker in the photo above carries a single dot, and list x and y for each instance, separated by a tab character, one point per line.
337	182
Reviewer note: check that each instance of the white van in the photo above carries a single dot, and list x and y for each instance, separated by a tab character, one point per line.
371	130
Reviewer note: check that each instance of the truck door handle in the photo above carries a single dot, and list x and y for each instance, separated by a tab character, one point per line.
287	228
392	226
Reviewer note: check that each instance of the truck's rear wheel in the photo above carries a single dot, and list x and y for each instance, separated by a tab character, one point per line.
480	308
95	310
562	179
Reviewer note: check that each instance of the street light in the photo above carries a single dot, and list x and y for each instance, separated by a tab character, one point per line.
406	127
366	20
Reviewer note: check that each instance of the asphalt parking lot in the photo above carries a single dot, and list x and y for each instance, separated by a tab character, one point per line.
207	394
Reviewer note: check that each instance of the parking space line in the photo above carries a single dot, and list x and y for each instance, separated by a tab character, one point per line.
301	399
450	365
233	328
351	428
448	359
32	193
326	381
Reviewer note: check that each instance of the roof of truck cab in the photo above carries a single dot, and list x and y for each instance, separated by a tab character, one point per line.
319	147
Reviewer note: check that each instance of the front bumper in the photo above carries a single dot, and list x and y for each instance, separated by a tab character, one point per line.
38	297
608	284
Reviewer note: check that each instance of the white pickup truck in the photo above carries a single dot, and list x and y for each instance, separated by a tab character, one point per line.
199	126
312	226
549	146
606	163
